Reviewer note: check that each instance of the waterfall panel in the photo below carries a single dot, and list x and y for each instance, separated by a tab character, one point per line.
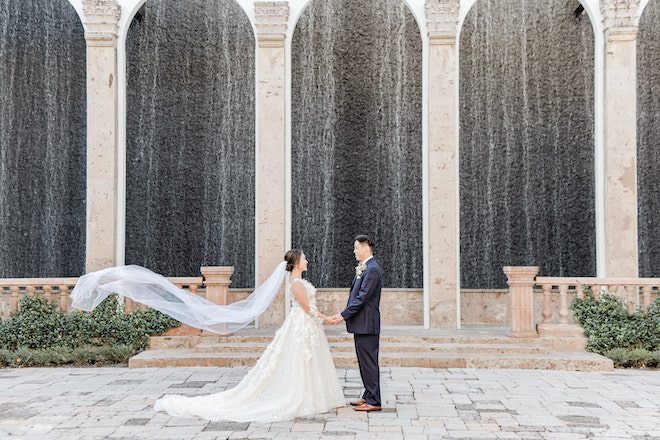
526	141
648	139
357	139
191	139
42	139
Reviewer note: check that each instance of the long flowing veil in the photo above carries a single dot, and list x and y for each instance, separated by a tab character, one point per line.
155	291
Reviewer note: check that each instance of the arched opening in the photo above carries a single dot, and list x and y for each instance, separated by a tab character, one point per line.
42	139
527	186
190	143
356	111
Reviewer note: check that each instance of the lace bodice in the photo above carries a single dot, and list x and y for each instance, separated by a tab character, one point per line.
311	293
311	299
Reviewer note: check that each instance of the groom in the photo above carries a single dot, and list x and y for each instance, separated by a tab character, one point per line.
362	318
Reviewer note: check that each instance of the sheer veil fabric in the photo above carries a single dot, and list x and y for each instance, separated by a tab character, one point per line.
154	290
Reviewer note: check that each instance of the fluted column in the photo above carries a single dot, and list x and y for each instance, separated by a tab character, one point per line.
620	136
100	22
271	23
442	19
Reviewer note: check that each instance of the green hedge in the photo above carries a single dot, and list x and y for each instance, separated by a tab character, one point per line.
629	340
41	326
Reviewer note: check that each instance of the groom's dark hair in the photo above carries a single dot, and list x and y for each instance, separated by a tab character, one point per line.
366	238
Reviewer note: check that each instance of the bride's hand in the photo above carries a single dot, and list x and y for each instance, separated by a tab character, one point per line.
328	320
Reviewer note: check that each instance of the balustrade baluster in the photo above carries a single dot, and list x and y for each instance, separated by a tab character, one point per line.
128	305
14	298
646	294
579	290
613	290
629	299
595	289
47	292
547	308
64	293
193	288
30	290
563	304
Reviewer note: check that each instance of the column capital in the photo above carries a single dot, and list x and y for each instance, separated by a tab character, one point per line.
620	18
101	18
442	20
271	21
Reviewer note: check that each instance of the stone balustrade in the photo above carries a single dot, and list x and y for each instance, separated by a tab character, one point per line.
214	286
636	293
50	288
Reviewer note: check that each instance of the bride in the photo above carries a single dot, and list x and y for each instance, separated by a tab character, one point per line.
294	377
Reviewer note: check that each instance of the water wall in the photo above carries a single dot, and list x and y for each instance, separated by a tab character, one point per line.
42	139
648	139
526	141
190	138
356	135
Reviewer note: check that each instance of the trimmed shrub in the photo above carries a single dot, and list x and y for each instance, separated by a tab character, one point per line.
607	324
39	332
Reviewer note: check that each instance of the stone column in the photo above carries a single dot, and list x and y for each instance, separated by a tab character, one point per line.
442	20
271	22
521	300
100	22
620	136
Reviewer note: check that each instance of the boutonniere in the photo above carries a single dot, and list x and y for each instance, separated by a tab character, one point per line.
360	268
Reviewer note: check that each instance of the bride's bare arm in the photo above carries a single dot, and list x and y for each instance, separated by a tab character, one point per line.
299	291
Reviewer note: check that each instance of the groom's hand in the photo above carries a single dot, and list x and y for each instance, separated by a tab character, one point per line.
337	318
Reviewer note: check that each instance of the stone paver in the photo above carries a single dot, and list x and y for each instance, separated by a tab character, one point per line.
419	404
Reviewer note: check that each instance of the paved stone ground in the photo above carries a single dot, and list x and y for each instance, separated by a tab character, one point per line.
117	403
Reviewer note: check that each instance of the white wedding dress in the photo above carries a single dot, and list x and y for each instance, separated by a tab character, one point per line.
294	377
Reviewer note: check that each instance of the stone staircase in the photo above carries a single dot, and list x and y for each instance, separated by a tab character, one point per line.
399	347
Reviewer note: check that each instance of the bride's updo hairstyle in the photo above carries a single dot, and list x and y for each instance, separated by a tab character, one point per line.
292	258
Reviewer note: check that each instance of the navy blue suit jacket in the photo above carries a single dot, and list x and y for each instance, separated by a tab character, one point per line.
362	313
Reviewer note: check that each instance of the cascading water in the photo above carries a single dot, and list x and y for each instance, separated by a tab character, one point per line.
648	139
526	141
42	139
357	138
190	138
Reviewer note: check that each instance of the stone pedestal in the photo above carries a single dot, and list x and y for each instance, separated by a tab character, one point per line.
521	300
620	140
101	19
442	19
271	22
217	280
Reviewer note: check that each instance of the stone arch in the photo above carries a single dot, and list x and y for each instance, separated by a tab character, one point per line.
526	109
190	138
648	138
42	139
348	98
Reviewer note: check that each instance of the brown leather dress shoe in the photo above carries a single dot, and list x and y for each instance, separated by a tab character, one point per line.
367	407
359	402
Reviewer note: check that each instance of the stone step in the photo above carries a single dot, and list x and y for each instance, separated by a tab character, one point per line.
159	342
575	361
349	347
552	344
